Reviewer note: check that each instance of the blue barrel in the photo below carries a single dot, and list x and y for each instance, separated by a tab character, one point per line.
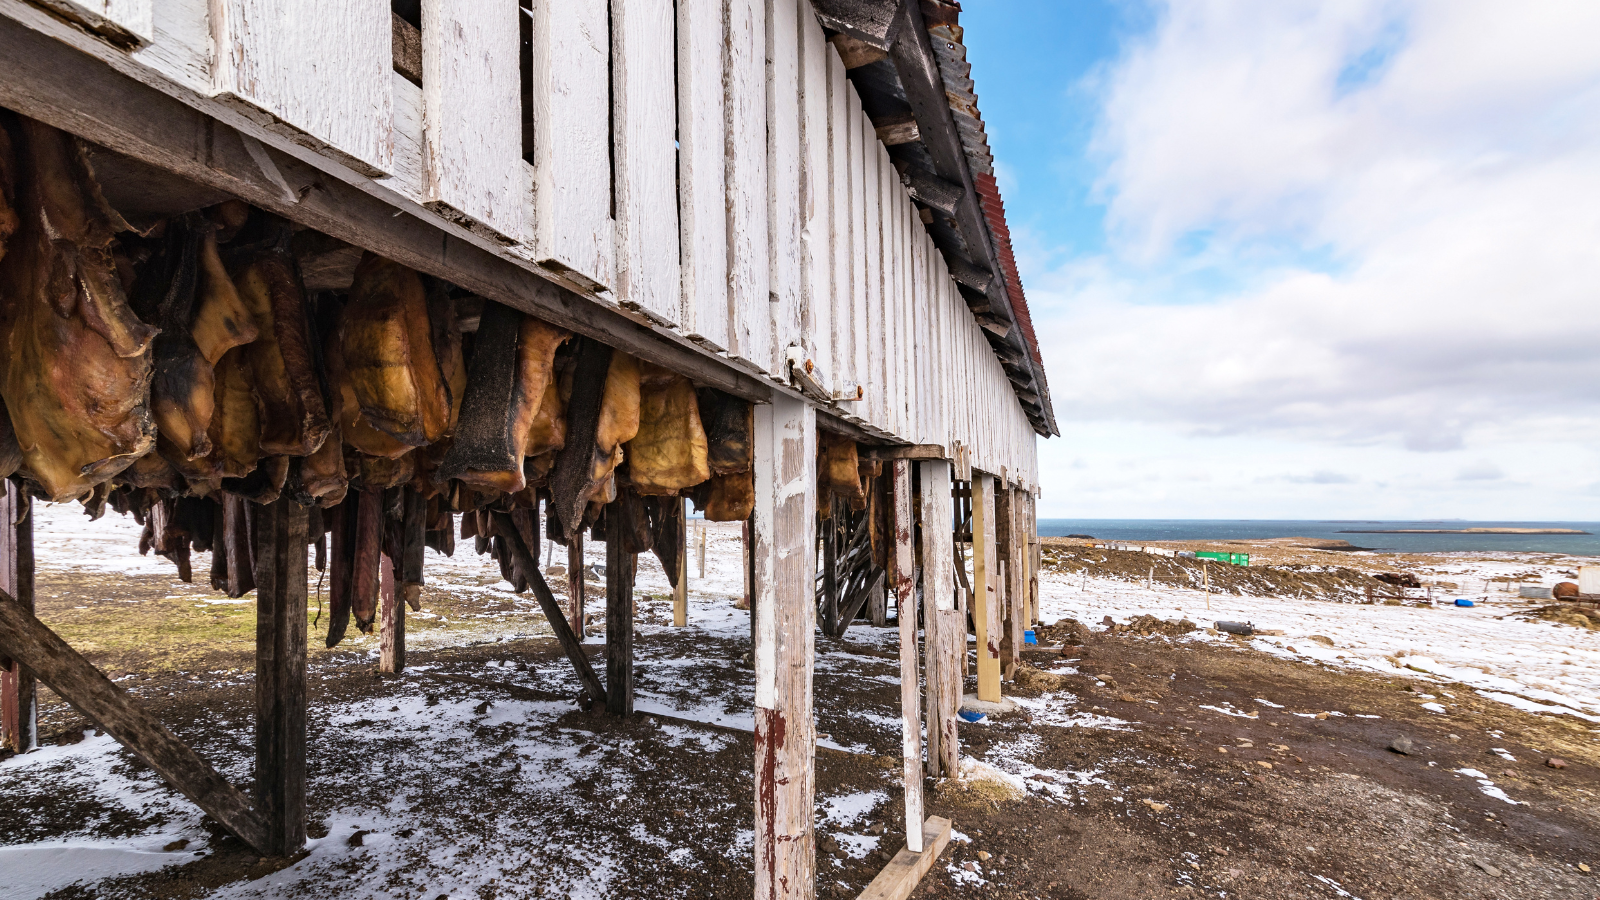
1462	601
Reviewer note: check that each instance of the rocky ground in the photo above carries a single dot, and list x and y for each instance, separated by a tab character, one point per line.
1146	760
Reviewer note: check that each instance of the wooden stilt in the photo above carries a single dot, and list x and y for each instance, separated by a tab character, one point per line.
391	621
784	611
1013	606
944	625
901	562
680	591
619	617
19	727
985	589
702	549
750	580
575	583
280	552
830	567
899	878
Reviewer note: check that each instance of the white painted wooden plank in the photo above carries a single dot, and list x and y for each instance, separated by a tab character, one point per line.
127	23
407	162
181	47
702	192
816	235
861	137
472	114
783	174
316	71
643	52
841	222
871	334
572	231
746	109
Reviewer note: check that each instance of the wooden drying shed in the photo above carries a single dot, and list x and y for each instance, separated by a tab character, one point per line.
366	278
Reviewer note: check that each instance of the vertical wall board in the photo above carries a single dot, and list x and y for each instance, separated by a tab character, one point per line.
816	210
471	114
571	227
745	105
871	341
783	175
316	71
784	606
127	23
702	172
645	126
882	323
180	48
841	223
862	138
407	162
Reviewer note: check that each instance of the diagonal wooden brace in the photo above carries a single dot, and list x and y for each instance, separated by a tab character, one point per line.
24	638
552	610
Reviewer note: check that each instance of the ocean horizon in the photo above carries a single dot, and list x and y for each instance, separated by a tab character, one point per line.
1339	529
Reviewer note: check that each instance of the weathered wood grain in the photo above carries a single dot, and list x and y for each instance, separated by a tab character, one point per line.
938	596
702	173
572	229
19	704
471	115
316	71
619	612
749	274
644	110
900	877
784	611
985	586
783	178
280	552
903	563
816	199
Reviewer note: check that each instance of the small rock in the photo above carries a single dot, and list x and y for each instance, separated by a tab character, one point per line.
1322	715
1582	867
1222	749
1154	806
983	856
1263	764
1489	870
1556	762
1401	745
1455	737
175	846
1509	773
970	866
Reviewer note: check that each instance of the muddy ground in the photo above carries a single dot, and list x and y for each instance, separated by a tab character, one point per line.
1152	769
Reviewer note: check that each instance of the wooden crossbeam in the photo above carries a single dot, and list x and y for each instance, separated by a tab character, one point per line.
24	638
899	878
570	642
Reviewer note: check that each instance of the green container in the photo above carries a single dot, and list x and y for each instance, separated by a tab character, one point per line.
1239	559
1209	554
1234	559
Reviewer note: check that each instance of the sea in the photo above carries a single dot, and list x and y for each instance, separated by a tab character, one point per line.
1337	529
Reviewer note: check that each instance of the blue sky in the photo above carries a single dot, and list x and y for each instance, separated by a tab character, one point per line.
1293	259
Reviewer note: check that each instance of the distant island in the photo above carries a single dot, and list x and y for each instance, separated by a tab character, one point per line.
1465	531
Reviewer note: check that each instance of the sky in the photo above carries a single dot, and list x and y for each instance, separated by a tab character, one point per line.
1306	260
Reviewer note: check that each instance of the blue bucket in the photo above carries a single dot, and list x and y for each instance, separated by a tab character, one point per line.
1028	637
1462	601
970	717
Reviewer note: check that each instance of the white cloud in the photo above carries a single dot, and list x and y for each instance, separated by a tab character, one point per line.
1344	225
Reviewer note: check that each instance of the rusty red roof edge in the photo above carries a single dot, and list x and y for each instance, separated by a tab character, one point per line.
994	213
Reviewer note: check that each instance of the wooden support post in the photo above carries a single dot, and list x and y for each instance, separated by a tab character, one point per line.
391	622
619	616
783	552
1013	606
830	567
1033	561
944	627
571	644
25	639
749	582
985	593
902	562
575	583
280	552
19	719
703	530
680	591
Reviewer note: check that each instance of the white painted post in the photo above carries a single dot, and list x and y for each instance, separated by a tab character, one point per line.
785	625
905	592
